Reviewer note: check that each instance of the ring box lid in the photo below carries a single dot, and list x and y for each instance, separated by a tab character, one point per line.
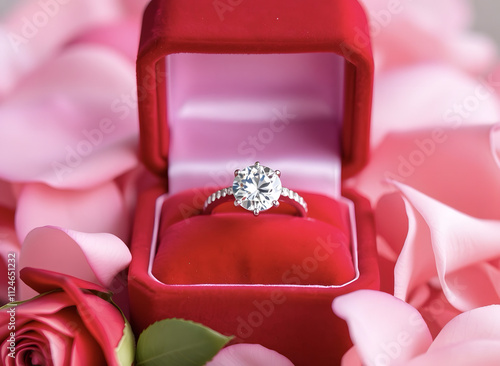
257	27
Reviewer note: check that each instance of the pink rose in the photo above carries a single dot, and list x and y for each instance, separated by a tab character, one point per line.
69	327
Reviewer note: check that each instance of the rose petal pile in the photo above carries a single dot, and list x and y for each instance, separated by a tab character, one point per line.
433	180
399	336
68	119
434	171
67	135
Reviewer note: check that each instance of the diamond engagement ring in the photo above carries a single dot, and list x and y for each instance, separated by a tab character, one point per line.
256	188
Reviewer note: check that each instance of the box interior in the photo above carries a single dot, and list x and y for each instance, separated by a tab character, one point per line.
226	111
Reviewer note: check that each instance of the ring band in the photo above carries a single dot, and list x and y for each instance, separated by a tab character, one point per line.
256	188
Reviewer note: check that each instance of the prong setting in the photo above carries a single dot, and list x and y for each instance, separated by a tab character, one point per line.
256	188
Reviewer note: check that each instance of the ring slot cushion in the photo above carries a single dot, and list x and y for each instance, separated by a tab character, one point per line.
272	249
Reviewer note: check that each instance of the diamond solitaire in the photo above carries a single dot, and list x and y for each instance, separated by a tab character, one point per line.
256	188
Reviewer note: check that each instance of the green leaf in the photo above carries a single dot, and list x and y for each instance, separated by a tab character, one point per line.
177	342
125	350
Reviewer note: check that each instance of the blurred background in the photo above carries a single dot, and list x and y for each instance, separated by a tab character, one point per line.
487	13
5	4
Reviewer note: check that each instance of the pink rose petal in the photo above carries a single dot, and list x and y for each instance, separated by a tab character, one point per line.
122	37
435	162
392	228
415	264
129	185
85	350
434	307
438	32
478	324
430	96
495	143
42	281
100	209
386	269
384	329
392	223
71	129
135	7
471	338
455	246
351	358
484	353
248	355
7	195
109	332
493	79
57	342
10	70
96	258
35	31
39	306
472	52
60	323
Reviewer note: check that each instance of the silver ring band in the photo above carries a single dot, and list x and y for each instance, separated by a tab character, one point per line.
256	188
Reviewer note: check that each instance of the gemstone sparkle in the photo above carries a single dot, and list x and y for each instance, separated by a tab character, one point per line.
257	187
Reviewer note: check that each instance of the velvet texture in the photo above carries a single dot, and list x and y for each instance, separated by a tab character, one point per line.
268	280
275	248
296	321
254	27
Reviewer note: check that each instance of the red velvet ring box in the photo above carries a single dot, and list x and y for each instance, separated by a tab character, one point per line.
222	84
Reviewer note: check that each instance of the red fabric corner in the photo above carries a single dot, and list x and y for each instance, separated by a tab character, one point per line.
259	27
